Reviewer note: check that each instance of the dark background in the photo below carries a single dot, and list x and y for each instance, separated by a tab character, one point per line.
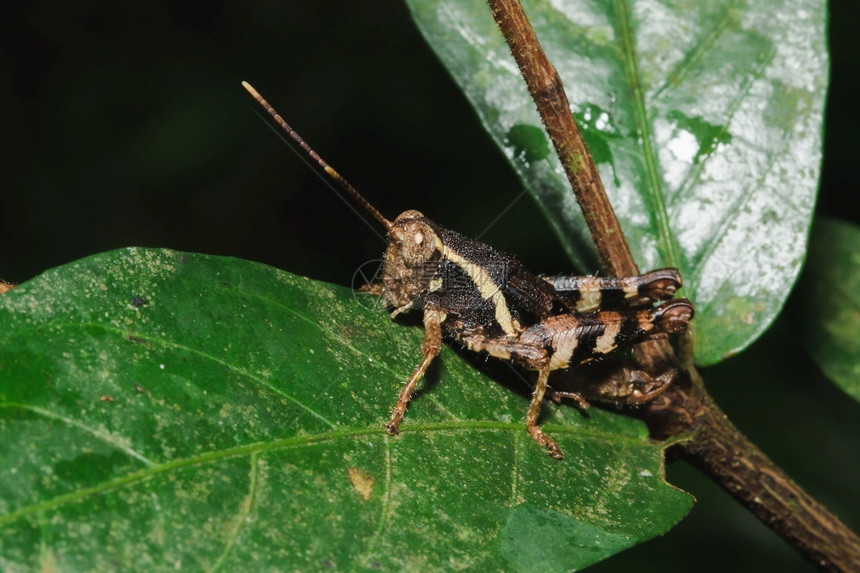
126	125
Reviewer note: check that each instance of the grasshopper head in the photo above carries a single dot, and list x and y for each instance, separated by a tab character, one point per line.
411	267
411	259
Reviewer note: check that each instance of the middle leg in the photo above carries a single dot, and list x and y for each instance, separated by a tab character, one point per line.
534	357
534	411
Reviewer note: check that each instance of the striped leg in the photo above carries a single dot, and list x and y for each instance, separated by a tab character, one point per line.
579	337
589	293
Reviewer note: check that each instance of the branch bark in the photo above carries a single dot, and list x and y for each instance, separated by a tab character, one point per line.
711	442
720	450
546	88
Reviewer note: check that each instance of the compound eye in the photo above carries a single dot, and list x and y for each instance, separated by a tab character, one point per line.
403	227
417	241
418	238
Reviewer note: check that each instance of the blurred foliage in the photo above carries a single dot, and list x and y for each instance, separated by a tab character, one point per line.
827	305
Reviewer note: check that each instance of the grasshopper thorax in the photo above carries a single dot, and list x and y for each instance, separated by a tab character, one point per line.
411	259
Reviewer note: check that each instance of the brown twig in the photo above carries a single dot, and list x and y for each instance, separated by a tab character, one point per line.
546	89
744	471
712	442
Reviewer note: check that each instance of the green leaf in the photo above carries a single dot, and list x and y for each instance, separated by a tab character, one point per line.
704	119
161	409
827	305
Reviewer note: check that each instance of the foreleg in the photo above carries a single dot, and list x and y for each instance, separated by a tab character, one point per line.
430	350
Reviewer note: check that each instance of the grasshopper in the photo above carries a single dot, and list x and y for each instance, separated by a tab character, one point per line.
484	298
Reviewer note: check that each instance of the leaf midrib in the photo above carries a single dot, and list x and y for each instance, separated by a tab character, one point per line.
666	240
259	448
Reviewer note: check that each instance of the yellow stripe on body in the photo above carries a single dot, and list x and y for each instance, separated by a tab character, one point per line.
487	287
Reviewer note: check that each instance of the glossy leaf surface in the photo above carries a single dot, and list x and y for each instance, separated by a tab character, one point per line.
163	410
828	302
704	121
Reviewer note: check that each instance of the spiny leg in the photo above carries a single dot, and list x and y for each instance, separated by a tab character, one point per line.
532	356
534	412
558	395
589	293
576	338
645	388
431	347
620	386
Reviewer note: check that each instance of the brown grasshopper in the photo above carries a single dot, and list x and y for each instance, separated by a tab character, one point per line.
485	299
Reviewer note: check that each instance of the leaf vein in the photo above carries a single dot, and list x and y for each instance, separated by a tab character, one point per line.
695	55
243	513
104	436
292	443
734	105
713	245
654	182
386	509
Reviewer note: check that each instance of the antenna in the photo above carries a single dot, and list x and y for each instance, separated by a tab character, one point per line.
345	185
